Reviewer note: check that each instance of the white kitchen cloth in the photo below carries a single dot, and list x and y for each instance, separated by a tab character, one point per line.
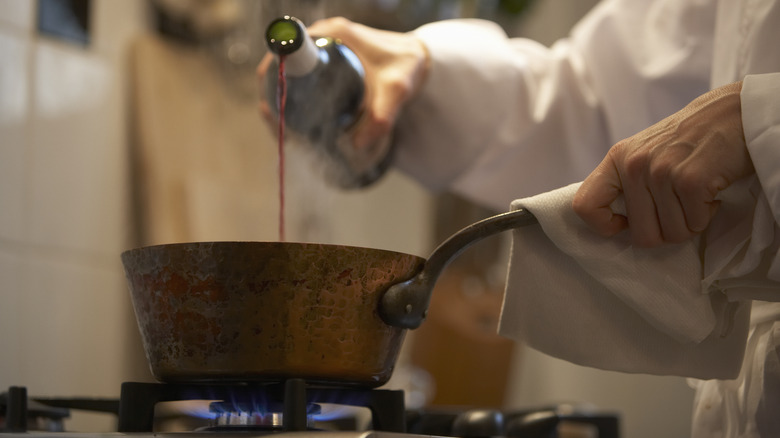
671	310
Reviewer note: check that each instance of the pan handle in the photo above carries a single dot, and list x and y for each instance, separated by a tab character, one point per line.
405	304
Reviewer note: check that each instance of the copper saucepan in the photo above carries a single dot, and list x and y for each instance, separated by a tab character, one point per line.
268	311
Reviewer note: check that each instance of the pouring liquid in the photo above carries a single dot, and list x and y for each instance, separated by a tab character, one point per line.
309	67
281	98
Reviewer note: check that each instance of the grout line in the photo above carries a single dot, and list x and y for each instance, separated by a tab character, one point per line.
29	132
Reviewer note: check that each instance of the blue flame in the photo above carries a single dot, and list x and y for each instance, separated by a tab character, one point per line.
324	404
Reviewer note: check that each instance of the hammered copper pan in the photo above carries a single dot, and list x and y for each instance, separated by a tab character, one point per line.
268	311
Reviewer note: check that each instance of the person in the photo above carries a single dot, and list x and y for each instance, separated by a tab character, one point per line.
663	102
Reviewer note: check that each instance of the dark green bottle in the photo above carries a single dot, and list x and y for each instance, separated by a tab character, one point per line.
325	92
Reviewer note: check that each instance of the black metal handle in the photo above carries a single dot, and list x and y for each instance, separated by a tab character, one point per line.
405	304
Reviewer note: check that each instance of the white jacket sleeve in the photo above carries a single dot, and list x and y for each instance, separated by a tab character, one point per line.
501	118
749	402
761	123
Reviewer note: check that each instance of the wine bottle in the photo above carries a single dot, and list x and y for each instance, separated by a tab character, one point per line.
324	99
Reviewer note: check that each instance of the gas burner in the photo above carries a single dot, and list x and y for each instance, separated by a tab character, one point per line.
292	404
246	416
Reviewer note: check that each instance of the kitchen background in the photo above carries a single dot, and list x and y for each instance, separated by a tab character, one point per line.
135	122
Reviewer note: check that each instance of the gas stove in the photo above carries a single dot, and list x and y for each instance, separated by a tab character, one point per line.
294	409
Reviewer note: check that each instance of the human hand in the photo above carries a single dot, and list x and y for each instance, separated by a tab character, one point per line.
395	66
669	173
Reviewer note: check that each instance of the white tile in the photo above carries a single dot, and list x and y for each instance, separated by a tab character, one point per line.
17	13
69	80
78	159
73	327
14	86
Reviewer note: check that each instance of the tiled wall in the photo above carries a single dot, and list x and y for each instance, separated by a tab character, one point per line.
64	308
66	323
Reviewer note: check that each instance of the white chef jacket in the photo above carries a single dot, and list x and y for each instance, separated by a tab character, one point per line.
500	119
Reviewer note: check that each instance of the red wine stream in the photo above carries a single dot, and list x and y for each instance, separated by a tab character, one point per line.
281	98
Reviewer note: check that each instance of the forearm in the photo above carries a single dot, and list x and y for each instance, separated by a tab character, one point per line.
501	118
519	111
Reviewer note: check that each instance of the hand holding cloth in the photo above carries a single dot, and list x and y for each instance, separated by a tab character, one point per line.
671	310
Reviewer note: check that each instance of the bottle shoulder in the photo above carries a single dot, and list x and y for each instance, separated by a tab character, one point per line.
335	63
350	57
328	98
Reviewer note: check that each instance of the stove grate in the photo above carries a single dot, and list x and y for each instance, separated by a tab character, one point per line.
137	401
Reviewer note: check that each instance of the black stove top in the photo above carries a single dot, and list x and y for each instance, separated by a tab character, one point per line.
293	402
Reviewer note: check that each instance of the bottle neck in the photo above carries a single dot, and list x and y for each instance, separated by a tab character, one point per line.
287	37
302	61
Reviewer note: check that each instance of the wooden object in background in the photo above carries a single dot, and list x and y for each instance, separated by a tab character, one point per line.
458	344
